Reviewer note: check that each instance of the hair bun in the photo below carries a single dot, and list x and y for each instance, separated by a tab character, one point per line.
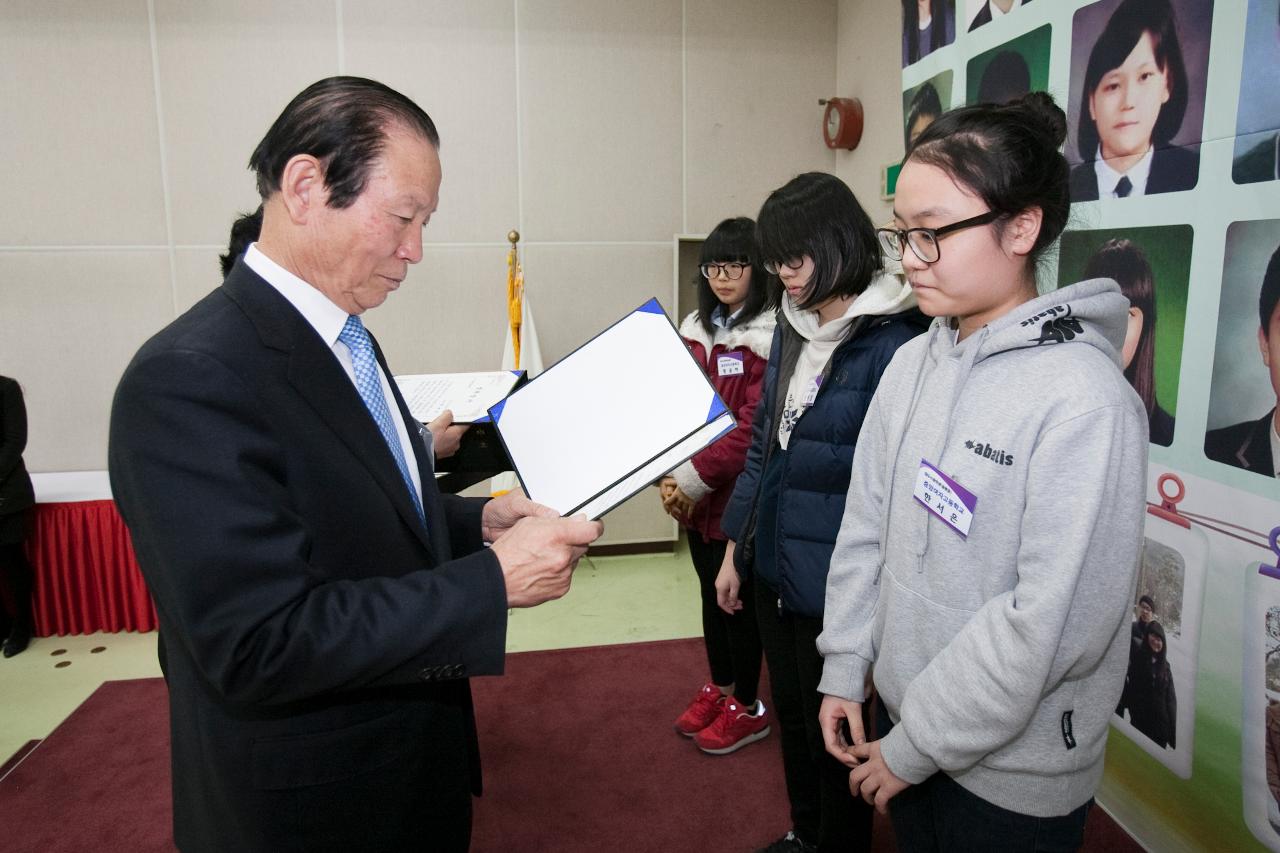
1045	114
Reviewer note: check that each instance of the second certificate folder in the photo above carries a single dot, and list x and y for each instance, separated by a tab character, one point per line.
611	417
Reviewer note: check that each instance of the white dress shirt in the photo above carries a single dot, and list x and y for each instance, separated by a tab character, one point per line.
1109	177
328	319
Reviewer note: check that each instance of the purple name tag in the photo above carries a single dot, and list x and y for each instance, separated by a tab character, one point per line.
945	498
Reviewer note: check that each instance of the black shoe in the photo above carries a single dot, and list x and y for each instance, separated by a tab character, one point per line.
789	843
17	641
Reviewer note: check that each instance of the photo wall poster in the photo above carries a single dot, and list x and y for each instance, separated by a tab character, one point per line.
1173	142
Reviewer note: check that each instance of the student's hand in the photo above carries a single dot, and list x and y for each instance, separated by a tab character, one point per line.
872	779
445	437
666	486
679	505
832	717
728	584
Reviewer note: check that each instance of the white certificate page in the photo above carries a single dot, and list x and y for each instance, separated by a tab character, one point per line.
611	417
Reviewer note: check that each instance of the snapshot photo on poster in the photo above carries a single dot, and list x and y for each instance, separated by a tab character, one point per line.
927	25
1242	425
1157	706
1011	70
1153	268
1260	731
981	12
1136	104
924	103
1257	153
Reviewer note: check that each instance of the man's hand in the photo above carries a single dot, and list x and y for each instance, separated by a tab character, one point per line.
501	513
538	555
872	779
445	437
728	583
832	717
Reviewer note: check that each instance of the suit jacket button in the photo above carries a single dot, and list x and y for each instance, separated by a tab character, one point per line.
458	670
425	674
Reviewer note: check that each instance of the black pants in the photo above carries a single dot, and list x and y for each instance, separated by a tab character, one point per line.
15	578
940	814
823	811
733	642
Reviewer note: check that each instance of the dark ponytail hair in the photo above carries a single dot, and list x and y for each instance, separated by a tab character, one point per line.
733	240
1124	262
1008	155
244	231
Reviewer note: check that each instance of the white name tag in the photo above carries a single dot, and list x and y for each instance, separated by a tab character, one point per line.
945	498
730	364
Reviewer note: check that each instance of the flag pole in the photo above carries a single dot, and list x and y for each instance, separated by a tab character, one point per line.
515	293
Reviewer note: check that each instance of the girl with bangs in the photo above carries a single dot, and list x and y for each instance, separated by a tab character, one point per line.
729	336
841	318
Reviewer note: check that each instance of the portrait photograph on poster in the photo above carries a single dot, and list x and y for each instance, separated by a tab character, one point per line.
927	25
1153	268
978	13
1242	422
1260	731
1157	705
1136	104
924	103
1011	70
1257	152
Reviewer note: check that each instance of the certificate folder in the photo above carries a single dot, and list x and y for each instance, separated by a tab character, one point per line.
611	417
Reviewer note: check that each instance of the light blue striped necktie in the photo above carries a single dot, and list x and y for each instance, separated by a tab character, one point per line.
368	383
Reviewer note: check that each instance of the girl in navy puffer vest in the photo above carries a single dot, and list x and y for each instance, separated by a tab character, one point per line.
841	321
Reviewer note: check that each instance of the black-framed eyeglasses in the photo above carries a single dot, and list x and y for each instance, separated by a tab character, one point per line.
732	270
772	267
924	241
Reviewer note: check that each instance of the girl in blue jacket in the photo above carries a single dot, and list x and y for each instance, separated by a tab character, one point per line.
841	319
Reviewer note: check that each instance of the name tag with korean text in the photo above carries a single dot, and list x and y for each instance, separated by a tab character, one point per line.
812	395
945	498
730	364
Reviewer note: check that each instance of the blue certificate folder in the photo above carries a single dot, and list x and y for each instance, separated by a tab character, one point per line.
611	417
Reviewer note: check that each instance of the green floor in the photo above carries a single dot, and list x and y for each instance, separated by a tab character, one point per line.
613	600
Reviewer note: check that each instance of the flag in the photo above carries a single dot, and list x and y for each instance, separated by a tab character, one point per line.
520	350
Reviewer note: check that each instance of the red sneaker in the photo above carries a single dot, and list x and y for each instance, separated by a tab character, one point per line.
702	711
733	729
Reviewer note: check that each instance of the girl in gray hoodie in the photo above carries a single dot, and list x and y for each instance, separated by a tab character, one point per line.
993	526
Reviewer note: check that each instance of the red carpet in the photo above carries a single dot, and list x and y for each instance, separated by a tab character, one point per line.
606	770
578	751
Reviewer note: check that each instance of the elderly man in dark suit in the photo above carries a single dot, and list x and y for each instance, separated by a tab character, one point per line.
321	603
1249	444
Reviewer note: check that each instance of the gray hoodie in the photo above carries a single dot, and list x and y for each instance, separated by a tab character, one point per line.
1000	656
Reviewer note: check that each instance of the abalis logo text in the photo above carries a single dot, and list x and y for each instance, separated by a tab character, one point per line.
986	451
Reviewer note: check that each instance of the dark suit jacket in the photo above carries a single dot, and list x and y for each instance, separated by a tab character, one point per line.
1245	445
15	484
984	16
1172	170
314	637
1258	163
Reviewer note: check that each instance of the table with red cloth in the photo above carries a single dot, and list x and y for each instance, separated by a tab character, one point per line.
86	576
